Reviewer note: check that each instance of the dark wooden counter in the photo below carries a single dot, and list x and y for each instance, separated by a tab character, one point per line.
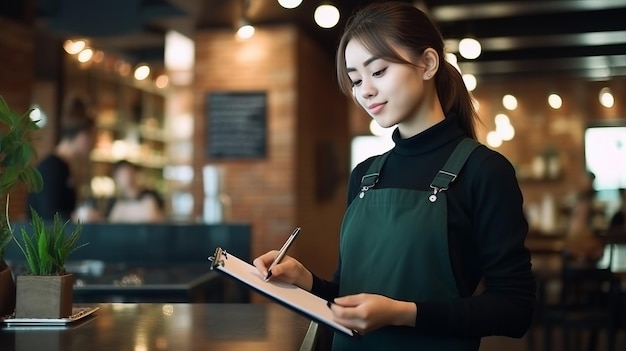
162	327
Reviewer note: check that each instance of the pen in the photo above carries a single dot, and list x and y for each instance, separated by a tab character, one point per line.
282	252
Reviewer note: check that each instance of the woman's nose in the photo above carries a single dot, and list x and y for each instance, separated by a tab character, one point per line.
367	89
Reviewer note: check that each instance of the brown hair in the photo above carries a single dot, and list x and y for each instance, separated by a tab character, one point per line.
77	117
381	26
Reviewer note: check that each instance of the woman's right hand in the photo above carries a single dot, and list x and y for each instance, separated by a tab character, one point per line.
289	270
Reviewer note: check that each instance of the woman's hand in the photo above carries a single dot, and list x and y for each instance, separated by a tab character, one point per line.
367	312
289	270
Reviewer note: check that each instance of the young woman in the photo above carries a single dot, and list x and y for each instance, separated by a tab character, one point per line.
432	253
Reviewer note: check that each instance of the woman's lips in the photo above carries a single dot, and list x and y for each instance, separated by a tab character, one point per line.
375	108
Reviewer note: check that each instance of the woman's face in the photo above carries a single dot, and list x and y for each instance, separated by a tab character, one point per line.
391	93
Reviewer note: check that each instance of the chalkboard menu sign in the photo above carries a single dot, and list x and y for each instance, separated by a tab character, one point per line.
236	127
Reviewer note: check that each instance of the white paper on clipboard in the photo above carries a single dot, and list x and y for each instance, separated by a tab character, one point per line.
291	296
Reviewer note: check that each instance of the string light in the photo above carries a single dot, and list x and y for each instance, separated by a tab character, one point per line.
326	16
606	97
469	48
290	4
246	30
555	101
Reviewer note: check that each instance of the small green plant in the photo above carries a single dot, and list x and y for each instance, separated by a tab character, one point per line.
46	250
16	154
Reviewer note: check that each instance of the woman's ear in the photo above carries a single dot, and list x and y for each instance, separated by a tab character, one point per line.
430	60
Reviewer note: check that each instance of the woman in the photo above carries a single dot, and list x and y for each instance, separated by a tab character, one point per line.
134	203
427	221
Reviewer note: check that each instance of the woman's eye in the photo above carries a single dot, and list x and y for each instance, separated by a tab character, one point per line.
356	83
379	73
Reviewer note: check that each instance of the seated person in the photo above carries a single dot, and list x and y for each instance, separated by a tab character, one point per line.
134	203
581	243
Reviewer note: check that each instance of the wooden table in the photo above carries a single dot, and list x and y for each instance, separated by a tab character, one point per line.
162	327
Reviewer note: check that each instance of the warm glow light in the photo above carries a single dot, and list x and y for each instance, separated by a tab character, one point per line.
469	48
119	149
470	81
509	102
506	132
504	129
246	31
123	68
452	59
326	16
555	101
161	81
85	55
290	4
142	72
606	97
493	139
73	47
501	119
179	52
98	56
38	116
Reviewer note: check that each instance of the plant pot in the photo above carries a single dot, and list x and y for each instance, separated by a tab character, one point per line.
7	292
44	296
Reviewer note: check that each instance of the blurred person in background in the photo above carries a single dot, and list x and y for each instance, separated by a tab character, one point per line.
582	243
134	203
60	182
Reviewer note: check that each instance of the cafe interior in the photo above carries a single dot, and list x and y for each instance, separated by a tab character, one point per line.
231	111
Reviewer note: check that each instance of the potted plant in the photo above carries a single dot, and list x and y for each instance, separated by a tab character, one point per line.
45	291
16	154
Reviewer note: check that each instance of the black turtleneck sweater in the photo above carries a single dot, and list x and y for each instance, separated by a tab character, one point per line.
486	234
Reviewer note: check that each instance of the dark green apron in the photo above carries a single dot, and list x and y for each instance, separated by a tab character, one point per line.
394	242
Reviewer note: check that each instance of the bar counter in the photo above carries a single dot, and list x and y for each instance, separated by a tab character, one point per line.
162	327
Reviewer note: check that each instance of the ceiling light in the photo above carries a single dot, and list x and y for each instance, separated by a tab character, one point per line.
509	102
142	72
606	97
161	81
470	81
493	139
73	47
290	4
469	48
179	52
326	16
38	116
555	101
504	128
246	30
85	55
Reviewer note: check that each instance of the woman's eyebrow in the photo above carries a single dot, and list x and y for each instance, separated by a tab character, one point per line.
365	63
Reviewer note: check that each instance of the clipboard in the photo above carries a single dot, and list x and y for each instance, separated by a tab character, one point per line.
290	296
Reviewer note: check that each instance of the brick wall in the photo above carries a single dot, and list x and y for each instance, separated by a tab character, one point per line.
16	81
306	136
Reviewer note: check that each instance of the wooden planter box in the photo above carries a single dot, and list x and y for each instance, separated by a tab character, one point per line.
7	292
44	296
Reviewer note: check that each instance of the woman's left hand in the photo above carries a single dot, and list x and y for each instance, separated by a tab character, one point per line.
367	312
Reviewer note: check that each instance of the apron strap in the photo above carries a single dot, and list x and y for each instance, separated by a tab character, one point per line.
455	162
371	177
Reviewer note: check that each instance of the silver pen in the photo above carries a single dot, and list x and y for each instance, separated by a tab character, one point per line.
282	252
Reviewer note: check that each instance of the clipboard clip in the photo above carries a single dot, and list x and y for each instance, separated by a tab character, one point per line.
218	257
